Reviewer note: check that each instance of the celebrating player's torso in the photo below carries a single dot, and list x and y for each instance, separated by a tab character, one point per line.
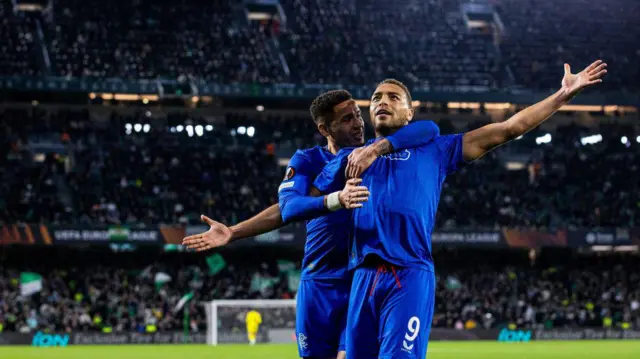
396	223
325	252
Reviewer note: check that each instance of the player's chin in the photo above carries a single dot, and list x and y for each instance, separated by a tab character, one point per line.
385	123
357	140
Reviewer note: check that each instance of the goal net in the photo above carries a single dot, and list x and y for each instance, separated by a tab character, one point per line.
227	321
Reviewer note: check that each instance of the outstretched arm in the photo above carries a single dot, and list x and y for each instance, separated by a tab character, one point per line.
298	200
219	234
477	143
263	222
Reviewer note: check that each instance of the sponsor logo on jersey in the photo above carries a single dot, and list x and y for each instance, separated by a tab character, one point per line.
286	185
398	156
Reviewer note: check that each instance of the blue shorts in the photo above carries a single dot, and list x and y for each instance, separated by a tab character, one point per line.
321	316
390	312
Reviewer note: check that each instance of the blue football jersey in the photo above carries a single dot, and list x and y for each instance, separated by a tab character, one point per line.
326	252
405	186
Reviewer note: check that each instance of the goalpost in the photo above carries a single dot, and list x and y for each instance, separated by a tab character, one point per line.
226	320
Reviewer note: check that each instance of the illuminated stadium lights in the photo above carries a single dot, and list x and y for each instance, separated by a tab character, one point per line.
145	100
581	108
199	130
146	128
464	105
179	128
624	140
233	132
190	130
172	129
148	113
251	131
260	108
125	97
591	140
128	127
543	139
638	139
242	130
209	128
137	127
497	106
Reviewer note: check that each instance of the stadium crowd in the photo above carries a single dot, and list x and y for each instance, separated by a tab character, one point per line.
116	172
487	291
426	44
81	166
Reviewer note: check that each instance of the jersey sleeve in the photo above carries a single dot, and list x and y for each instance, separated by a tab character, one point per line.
332	178
450	148
413	135
293	193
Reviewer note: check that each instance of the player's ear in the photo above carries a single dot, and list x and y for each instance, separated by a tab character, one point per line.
324	130
410	113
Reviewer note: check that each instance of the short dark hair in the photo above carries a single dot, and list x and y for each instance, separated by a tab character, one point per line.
402	86
322	106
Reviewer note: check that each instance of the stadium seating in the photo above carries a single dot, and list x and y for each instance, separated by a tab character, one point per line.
543	35
425	43
17	49
561	291
421	43
141	39
551	191
476	288
120	174
102	165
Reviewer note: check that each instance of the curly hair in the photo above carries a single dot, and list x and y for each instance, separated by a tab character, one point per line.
322	106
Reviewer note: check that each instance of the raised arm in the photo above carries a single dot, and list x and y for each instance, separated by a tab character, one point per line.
478	142
413	135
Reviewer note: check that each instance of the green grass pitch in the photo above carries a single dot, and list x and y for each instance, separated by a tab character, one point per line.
437	350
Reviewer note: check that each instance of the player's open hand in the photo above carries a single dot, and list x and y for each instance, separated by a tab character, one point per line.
359	160
353	195
572	84
218	235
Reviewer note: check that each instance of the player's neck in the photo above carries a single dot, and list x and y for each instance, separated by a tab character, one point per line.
386	131
333	147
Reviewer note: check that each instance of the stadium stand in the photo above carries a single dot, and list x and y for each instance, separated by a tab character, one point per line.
141	39
18	46
106	163
426	44
480	288
542	35
117	174
331	42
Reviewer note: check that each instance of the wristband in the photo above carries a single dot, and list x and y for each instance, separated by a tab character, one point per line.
333	201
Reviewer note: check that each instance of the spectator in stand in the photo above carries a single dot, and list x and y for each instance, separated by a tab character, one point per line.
121	174
503	290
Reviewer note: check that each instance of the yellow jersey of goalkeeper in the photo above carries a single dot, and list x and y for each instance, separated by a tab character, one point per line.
253	320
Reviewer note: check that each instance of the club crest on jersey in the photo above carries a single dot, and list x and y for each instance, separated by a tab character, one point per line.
302	341
289	173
